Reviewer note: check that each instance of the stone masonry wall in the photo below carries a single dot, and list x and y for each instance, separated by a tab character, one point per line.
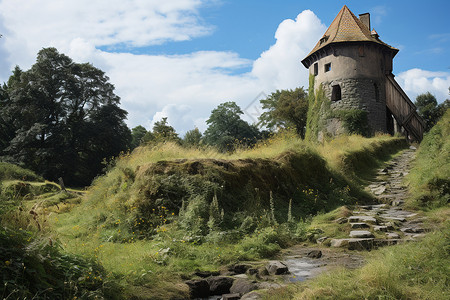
360	94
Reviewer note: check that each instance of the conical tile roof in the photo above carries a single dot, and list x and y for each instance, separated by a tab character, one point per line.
346	27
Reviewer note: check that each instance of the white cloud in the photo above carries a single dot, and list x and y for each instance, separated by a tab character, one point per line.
35	24
280	67
185	88
417	81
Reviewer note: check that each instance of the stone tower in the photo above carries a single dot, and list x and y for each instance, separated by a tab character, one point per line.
353	67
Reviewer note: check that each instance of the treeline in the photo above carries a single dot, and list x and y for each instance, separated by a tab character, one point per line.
227	130
63	119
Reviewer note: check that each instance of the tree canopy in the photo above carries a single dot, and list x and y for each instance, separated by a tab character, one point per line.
285	108
66	118
137	133
428	108
226	128
192	137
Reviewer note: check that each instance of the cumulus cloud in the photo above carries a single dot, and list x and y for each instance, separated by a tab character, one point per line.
418	81
40	23
280	67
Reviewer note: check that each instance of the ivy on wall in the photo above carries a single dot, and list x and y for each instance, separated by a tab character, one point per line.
319	107
354	121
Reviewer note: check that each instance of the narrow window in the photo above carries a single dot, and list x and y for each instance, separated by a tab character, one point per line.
336	93
316	69
377	92
327	67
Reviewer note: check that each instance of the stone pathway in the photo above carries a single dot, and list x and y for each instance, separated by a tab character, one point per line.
387	223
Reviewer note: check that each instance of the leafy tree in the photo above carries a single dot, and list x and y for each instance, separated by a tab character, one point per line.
163	132
192	137
66	118
147	138
226	128
285	108
137	133
427	108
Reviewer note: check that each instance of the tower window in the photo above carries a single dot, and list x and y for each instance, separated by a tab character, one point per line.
316	69
377	92
327	67
336	93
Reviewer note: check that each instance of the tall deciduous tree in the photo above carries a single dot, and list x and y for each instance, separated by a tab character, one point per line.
285	108
428	109
66	118
226	128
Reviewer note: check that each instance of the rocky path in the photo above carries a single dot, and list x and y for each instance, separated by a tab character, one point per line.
369	227
386	223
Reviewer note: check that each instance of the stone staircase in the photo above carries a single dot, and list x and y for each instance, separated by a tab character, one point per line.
388	223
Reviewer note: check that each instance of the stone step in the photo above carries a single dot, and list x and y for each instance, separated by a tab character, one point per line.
362	219
392	235
380	228
361	234
400	219
412	230
338	243
360	243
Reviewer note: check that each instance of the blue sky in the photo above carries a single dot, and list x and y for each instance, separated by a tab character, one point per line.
420	31
181	58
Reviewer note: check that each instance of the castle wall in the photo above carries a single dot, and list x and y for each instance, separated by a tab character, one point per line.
359	70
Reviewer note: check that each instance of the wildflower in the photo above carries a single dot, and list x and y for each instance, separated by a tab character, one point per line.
7	262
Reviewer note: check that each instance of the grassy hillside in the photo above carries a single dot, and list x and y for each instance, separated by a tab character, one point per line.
430	176
164	211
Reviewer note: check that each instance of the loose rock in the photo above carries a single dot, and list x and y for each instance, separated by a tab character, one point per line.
276	268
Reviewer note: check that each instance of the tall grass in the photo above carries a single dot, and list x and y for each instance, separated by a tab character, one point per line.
429	178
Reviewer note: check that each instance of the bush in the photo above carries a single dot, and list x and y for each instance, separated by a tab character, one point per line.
355	121
13	172
33	267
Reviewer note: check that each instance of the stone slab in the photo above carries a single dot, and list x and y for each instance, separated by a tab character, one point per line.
338	243
392	235
400	219
380	228
360	244
361	234
362	219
